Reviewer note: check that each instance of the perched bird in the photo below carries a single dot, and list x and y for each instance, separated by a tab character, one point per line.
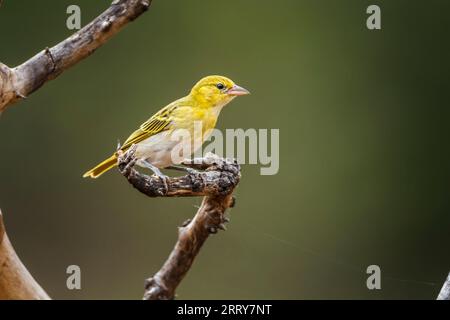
154	139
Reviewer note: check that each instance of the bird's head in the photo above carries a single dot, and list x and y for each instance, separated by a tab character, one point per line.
215	91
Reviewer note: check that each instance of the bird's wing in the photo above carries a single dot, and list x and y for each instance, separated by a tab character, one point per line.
157	123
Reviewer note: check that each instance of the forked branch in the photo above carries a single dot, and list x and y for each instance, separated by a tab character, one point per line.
19	82
216	183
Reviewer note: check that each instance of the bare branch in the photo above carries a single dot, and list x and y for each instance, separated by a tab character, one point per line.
15	280
216	183
19	82
445	291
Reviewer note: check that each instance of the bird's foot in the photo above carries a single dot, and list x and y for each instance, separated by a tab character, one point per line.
190	171
164	179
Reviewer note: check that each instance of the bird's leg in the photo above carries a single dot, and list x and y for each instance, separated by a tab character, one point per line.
195	175
185	169
157	172
154	169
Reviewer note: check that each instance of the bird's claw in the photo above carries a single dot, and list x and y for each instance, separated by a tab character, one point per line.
165	181
126	160
130	164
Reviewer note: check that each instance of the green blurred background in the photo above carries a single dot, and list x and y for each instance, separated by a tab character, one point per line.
365	163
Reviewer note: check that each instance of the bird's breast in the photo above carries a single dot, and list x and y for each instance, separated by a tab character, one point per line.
189	129
195	118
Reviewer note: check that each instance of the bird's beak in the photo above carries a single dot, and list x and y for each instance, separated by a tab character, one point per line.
237	91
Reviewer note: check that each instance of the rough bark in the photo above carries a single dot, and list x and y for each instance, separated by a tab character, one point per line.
216	184
19	82
15	280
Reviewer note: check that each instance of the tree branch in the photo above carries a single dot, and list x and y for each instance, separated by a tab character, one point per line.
445	291
216	183
19	82
15	280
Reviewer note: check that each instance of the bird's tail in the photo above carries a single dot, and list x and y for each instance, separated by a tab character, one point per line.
101	168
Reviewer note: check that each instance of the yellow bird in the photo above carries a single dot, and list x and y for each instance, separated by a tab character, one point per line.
156	138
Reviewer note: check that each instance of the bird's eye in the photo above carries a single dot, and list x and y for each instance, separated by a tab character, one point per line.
220	86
